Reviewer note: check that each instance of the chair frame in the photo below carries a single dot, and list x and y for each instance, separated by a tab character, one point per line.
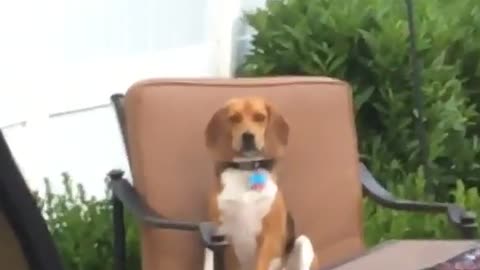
23	215
125	195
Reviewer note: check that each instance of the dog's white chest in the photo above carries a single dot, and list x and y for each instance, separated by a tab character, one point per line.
242	211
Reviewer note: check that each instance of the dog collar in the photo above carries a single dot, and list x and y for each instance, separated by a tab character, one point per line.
258	171
254	165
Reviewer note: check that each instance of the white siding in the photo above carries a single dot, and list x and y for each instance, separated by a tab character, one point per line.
69	55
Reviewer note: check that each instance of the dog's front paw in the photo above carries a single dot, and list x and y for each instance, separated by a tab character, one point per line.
302	256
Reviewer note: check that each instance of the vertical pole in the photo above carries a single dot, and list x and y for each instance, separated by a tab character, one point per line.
218	252
119	246
218	259
417	91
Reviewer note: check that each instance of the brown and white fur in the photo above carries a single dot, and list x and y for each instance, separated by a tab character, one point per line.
256	222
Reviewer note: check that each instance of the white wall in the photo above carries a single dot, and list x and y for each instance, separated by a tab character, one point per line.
68	54
65	54
86	145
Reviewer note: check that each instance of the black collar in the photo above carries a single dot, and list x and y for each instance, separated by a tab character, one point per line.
266	164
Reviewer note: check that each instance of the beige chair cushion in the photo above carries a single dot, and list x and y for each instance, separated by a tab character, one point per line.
319	176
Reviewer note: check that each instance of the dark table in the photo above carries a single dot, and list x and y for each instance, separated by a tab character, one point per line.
408	254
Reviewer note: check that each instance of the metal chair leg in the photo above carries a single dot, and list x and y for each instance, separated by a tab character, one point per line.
119	243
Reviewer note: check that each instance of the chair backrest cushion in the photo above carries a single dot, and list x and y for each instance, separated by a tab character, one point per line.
165	121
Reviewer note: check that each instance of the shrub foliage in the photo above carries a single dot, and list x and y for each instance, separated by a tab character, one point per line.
82	228
365	42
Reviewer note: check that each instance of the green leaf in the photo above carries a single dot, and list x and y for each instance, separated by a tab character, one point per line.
362	96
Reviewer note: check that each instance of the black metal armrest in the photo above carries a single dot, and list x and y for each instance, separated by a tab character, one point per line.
129	197
215	242
210	236
464	220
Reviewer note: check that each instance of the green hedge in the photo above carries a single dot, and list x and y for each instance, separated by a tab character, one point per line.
365	42
82	227
382	224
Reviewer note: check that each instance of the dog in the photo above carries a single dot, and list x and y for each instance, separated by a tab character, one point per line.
246	138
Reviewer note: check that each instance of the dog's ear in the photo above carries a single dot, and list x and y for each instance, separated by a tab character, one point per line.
216	128
277	128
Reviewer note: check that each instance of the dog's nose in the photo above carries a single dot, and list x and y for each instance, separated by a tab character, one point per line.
248	140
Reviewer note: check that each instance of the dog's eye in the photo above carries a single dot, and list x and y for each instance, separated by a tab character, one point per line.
235	118
259	117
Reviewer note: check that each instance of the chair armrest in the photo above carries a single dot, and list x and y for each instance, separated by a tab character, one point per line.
210	237
132	201
129	197
214	242
464	220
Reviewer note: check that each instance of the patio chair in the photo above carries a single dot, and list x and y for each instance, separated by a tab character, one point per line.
162	123
25	242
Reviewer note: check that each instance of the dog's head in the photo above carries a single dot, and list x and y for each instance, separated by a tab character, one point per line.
247	128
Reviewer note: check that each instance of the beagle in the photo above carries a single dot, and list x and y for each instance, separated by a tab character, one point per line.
246	138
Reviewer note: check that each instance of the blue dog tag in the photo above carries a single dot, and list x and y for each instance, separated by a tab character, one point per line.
257	178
